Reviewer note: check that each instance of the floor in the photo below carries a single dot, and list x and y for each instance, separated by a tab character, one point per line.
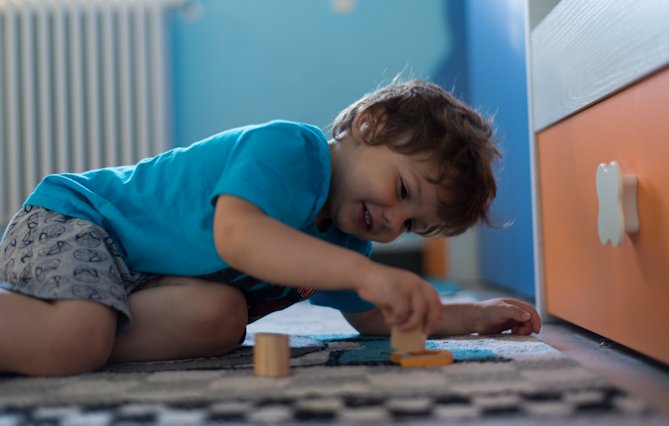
631	371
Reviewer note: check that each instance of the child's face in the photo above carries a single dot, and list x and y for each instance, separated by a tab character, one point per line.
377	194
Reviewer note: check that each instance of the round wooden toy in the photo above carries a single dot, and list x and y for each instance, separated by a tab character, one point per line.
271	355
425	358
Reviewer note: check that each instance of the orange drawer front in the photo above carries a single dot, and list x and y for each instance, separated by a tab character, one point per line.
622	292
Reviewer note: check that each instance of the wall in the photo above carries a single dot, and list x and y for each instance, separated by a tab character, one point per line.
249	61
497	86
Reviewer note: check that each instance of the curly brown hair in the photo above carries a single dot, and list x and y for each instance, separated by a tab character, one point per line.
419	117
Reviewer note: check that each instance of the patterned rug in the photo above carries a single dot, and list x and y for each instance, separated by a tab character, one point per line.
336	379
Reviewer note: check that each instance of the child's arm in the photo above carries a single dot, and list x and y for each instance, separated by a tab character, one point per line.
250	241
487	317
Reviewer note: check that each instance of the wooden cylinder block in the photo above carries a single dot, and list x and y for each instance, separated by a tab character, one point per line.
271	355
407	341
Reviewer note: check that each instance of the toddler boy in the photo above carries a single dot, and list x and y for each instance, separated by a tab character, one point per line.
172	257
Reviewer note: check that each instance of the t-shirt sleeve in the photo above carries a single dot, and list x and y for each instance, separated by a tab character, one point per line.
282	169
344	300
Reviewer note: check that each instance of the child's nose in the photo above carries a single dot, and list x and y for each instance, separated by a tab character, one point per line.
394	219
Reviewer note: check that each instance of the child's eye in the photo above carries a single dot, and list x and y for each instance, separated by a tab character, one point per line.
408	225
403	190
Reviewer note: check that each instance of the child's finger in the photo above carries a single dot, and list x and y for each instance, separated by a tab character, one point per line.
535	320
417	313
402	315
522	329
388	316
434	312
517	314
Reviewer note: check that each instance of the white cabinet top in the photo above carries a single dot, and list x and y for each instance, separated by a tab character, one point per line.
585	50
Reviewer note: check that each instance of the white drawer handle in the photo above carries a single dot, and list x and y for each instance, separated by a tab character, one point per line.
617	204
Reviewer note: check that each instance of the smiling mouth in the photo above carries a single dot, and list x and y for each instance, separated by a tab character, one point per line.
365	218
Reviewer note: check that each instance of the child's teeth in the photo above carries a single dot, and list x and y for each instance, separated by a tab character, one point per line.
367	217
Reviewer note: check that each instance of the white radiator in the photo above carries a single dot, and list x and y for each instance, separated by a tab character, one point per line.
82	86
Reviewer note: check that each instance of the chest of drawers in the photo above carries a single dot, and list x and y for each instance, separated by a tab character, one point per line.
595	102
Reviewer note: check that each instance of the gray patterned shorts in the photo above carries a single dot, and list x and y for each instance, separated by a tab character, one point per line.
50	256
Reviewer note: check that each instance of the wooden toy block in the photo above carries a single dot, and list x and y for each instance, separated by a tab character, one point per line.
396	356
407	341
425	358
271	355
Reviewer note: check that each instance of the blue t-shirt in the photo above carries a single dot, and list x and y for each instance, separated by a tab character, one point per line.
160	211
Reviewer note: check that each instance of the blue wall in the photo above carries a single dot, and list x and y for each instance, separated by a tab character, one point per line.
249	61
497	86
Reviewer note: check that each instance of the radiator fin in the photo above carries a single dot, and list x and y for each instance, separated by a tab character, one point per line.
82	86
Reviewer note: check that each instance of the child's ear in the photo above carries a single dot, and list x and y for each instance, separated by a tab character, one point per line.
359	127
363	125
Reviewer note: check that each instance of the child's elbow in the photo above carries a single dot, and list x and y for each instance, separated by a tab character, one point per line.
224	237
368	323
229	228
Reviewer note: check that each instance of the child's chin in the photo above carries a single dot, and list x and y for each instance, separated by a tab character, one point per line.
359	235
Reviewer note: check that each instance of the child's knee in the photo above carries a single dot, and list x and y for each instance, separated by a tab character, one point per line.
222	317
76	344
70	359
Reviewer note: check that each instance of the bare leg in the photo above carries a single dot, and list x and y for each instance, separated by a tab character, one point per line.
182	317
53	339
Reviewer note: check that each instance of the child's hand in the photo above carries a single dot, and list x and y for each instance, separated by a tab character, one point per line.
405	300
497	315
